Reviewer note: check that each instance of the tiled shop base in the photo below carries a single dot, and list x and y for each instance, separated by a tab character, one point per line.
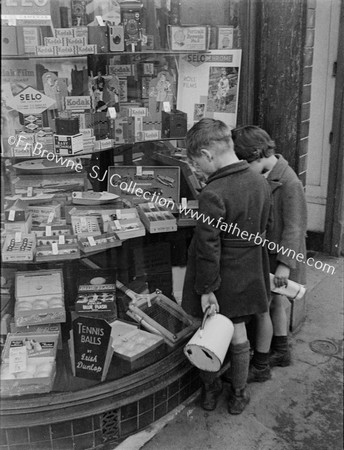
110	427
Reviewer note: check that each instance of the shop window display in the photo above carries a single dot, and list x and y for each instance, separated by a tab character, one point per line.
97	192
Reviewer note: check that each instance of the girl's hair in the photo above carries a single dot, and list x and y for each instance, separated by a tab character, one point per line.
204	134
252	143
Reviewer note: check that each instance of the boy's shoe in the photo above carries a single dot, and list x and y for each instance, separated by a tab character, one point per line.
280	358
258	375
210	393
237	401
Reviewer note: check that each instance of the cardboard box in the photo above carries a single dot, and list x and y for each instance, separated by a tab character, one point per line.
17	212
68	145
140	184
99	242
84	226
12	41
189	38
19	247
174	124
57	252
124	222
39	297
130	343
51	231
29	363
157	219
19	226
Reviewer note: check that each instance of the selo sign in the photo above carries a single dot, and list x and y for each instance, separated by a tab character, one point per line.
30	101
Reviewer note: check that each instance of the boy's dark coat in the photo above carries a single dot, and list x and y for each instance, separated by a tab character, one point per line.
237	272
289	217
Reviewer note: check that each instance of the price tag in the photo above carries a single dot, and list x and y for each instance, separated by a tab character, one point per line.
51	217
55	248
118	213
166	106
112	112
151	205
91	241
18	359
48	230
184	202
117	224
62	239
83	222
11	215
139	171
29	191
18	236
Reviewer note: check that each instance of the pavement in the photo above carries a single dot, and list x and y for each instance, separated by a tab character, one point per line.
300	408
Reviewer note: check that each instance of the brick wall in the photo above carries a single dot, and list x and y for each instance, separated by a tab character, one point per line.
301	164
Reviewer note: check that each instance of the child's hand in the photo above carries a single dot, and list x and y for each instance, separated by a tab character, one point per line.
281	275
210	300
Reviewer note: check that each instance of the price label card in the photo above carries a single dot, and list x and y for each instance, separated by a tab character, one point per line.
51	217
112	112
55	248
18	236
48	230
151	205
11	215
117	224
62	239
139	171
29	191
118	213
18	359
91	241
166	107
184	202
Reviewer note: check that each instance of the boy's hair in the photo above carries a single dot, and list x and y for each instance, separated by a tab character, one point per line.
204	134
252	143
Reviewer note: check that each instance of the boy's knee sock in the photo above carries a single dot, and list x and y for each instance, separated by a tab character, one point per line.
260	360
240	361
279	343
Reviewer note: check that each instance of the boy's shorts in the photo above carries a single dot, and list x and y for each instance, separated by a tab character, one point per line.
240	319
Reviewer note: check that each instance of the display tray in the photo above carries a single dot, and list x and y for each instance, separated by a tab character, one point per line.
51	230
124	222
56	252
139	184
19	247
29	365
39	297
98	242
84	226
157	219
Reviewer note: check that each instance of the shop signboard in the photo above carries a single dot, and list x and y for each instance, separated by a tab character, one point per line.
90	348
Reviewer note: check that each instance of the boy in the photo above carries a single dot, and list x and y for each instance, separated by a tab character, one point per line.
289	230
226	271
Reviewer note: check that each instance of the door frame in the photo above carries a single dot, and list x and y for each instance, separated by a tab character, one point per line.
334	218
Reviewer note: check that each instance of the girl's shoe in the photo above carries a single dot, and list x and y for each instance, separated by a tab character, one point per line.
280	358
